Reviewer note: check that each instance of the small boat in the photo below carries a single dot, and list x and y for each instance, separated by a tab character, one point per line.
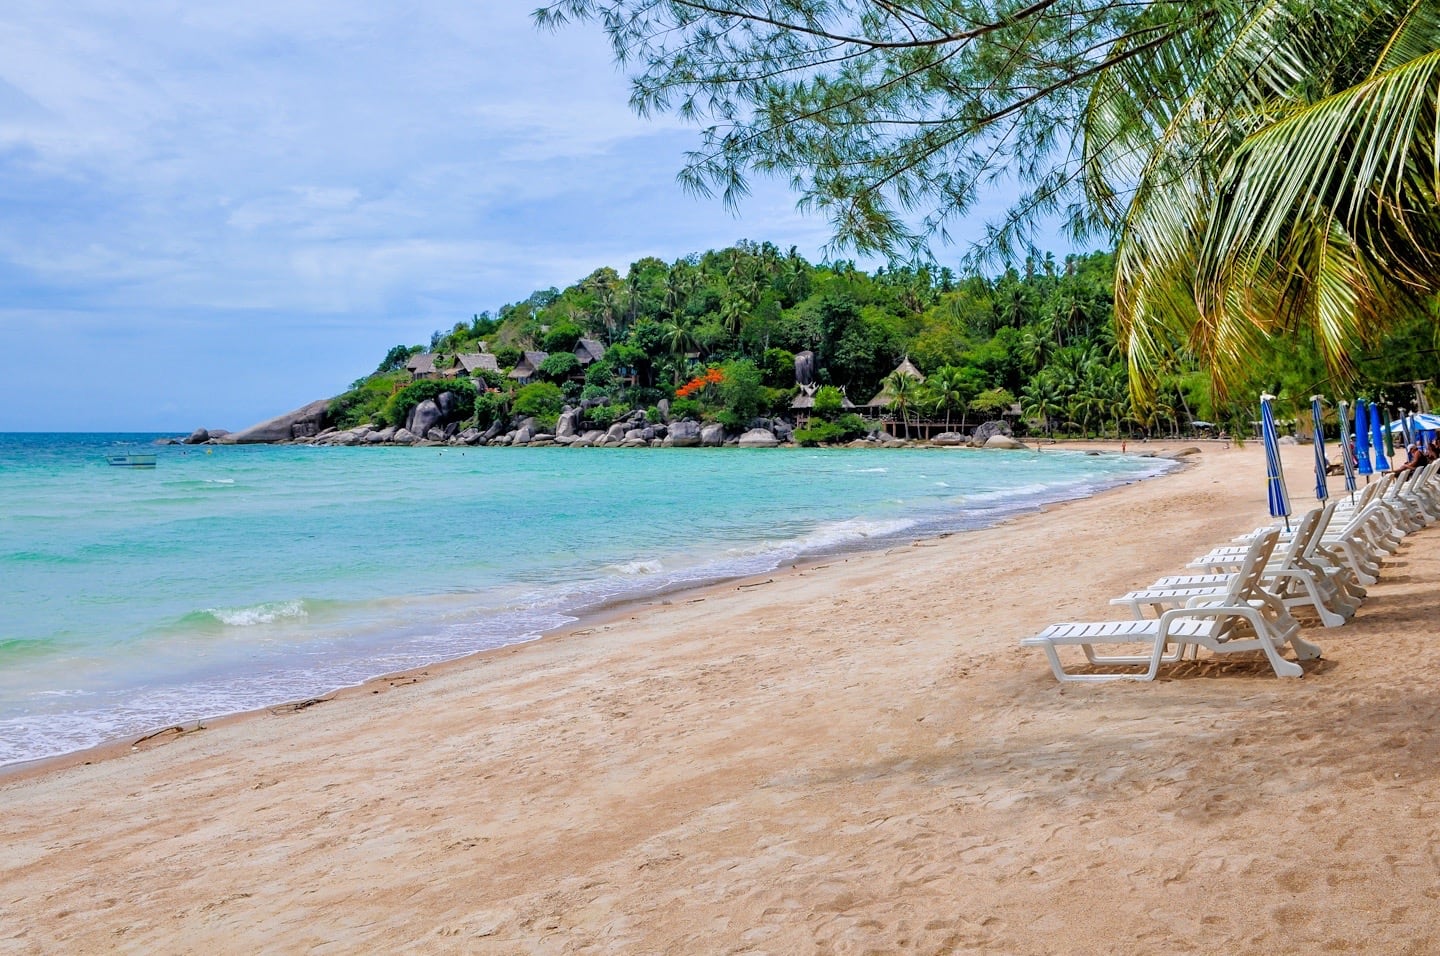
132	461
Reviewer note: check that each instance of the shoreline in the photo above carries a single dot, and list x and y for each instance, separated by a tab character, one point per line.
851	757
586	621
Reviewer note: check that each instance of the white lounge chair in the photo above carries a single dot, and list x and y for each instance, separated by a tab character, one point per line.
1243	618
1292	577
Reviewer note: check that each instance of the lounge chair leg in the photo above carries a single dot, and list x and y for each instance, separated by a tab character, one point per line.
1063	675
1330	618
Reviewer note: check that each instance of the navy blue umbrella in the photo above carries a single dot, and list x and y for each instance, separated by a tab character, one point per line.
1377	438
1322	487
1279	498
1362	440
1347	457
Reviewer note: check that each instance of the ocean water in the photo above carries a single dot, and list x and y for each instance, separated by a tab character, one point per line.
236	577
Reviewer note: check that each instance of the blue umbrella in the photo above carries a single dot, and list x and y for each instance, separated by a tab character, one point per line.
1274	476
1420	423
1362	440
1347	457
1322	487
1377	438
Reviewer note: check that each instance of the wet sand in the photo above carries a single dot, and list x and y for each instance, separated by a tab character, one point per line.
850	757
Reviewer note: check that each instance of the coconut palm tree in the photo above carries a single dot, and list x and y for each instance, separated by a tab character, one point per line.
733	311
1041	399
679	340
904	394
1037	343
1277	172
1113	394
947	389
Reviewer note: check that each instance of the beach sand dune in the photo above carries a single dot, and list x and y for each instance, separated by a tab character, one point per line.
854	757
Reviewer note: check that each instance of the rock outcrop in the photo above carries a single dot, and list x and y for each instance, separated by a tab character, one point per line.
424	417
1179	453
304	422
987	429
684	434
804	367
1003	441
759	438
569	424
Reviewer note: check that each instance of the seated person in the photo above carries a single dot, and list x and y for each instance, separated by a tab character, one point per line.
1413	460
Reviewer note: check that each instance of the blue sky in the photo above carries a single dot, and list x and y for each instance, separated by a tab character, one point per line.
213	213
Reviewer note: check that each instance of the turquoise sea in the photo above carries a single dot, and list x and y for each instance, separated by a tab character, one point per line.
235	577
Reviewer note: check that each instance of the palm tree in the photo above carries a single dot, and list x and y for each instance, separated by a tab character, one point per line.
679	340
947	390
1041	399
904	392
1037	344
603	285
733	311
1112	389
1277	174
675	289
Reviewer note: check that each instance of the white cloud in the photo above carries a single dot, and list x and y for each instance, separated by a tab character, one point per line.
331	177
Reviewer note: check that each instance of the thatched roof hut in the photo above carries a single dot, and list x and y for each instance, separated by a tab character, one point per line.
589	350
470	362
421	365
883	398
528	365
805	398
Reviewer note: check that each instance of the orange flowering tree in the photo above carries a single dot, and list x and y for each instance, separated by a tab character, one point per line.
700	382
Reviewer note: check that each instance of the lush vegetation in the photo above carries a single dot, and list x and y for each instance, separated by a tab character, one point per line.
716	335
1264	170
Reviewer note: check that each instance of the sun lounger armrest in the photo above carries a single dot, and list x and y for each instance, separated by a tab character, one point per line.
1214	611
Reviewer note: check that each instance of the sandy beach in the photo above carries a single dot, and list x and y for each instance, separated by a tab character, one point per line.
850	757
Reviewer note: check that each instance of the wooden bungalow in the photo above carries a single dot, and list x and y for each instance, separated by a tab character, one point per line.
881	402
468	363
805	401
879	406
422	365
524	371
589	350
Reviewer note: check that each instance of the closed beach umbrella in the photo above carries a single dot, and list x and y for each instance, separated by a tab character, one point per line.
1322	488
1275	491
1362	440
1377	438
1346	456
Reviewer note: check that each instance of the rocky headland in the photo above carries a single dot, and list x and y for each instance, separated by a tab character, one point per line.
436	422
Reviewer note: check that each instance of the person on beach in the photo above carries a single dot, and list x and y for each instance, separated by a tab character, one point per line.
1413	460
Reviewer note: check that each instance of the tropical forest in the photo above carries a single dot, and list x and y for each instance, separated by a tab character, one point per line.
1262	175
715	337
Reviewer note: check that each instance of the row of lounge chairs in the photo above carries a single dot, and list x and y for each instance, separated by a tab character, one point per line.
1238	598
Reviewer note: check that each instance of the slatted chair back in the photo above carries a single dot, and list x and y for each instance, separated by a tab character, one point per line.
1245	587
